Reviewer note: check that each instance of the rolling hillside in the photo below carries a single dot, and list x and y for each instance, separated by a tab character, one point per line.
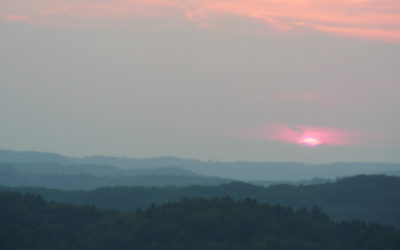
369	198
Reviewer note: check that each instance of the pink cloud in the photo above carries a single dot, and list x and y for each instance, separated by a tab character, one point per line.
387	35
55	11
14	17
371	19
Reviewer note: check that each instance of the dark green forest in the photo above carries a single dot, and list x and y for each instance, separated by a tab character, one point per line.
369	198
29	222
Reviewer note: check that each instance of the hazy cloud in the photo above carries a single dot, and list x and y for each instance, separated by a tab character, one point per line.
143	78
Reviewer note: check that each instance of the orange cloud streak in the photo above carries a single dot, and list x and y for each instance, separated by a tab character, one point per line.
372	19
13	17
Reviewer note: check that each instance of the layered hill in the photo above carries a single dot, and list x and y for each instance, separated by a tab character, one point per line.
244	171
89	177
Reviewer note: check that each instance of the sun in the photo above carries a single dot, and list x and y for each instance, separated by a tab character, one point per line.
310	141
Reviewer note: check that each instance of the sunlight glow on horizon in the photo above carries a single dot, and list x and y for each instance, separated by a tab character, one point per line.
310	141
370	19
310	136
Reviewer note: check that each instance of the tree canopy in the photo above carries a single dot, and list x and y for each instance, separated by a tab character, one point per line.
29	222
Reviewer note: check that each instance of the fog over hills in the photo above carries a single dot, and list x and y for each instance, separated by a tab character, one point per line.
245	171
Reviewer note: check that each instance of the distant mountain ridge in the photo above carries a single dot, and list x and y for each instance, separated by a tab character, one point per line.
245	171
92	169
92	176
87	177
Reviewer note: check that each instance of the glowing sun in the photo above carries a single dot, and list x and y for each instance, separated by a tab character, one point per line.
310	141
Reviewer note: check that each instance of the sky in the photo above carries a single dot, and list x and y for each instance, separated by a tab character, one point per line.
233	80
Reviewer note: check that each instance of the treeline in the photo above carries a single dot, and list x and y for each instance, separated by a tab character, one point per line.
29	222
370	198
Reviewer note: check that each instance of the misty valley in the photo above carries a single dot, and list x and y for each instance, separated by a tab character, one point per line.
49	201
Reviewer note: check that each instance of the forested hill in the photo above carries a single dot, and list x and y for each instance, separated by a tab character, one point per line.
28	222
369	198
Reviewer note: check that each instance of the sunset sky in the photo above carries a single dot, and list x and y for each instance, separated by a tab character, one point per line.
249	80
